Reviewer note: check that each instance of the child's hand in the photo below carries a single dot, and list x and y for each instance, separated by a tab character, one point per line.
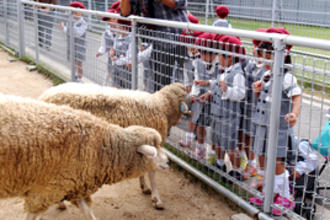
98	54
112	52
204	97
188	89
295	173
201	82
61	25
291	118
223	86
114	58
129	65
257	86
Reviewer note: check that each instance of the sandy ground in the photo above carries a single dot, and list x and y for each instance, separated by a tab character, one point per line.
182	198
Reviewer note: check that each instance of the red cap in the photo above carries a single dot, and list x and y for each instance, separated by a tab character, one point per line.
189	36
193	19
77	4
115	5
222	11
124	22
278	30
218	36
206	40
232	44
257	42
109	11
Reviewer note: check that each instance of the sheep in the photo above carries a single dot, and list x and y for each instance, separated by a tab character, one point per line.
160	110
51	153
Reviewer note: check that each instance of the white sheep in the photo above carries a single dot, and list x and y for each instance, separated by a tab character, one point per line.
160	110
51	153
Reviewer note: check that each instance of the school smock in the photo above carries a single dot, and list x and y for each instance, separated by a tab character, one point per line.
261	116
225	107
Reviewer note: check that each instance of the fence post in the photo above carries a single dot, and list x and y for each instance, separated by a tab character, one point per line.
5	5
36	32
277	71
207	12
71	47
106	3
274	12
89	6
134	55
20	21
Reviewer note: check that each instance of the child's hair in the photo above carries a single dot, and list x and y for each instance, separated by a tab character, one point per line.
268	48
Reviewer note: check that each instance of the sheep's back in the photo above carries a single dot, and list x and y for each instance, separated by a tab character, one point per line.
39	142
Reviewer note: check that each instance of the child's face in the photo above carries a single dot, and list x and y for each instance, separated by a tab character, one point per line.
77	15
111	22
207	57
225	60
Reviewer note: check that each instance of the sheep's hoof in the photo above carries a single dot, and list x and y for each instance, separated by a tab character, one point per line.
61	206
146	191
157	204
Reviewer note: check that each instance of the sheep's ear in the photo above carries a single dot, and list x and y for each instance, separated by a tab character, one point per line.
184	108
147	150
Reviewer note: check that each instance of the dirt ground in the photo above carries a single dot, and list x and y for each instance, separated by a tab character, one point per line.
182	198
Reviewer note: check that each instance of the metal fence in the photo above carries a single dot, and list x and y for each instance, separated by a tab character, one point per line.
52	39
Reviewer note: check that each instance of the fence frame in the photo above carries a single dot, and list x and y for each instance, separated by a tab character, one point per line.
279	42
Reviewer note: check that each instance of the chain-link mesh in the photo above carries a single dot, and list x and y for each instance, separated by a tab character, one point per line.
226	136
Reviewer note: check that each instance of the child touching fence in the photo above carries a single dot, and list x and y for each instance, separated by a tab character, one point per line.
79	27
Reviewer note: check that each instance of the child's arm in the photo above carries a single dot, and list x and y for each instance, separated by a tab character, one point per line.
294	114
81	30
310	162
235	92
103	49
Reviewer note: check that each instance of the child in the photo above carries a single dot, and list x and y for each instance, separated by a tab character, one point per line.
188	73
222	12
322	142
122	76
147	73
79	42
253	72
206	68
107	42
290	109
227	91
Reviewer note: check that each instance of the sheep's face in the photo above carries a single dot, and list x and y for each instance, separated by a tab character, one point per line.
149	144
155	154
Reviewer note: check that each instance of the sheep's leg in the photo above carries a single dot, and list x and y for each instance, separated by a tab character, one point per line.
32	216
86	210
157	203
143	185
61	206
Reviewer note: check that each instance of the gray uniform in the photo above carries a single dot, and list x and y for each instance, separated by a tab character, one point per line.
261	117
221	23
201	111
253	73
45	27
226	112
79	40
122	76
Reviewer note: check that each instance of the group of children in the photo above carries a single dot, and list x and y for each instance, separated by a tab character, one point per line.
233	96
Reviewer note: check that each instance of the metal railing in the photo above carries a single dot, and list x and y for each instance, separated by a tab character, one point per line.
28	30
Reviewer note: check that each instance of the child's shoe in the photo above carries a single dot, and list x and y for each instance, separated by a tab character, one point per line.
256	201
200	152
286	203
250	171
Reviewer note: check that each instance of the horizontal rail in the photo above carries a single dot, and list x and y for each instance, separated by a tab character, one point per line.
292	40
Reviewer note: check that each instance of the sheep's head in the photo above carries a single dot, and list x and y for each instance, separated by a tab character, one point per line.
148	142
175	97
